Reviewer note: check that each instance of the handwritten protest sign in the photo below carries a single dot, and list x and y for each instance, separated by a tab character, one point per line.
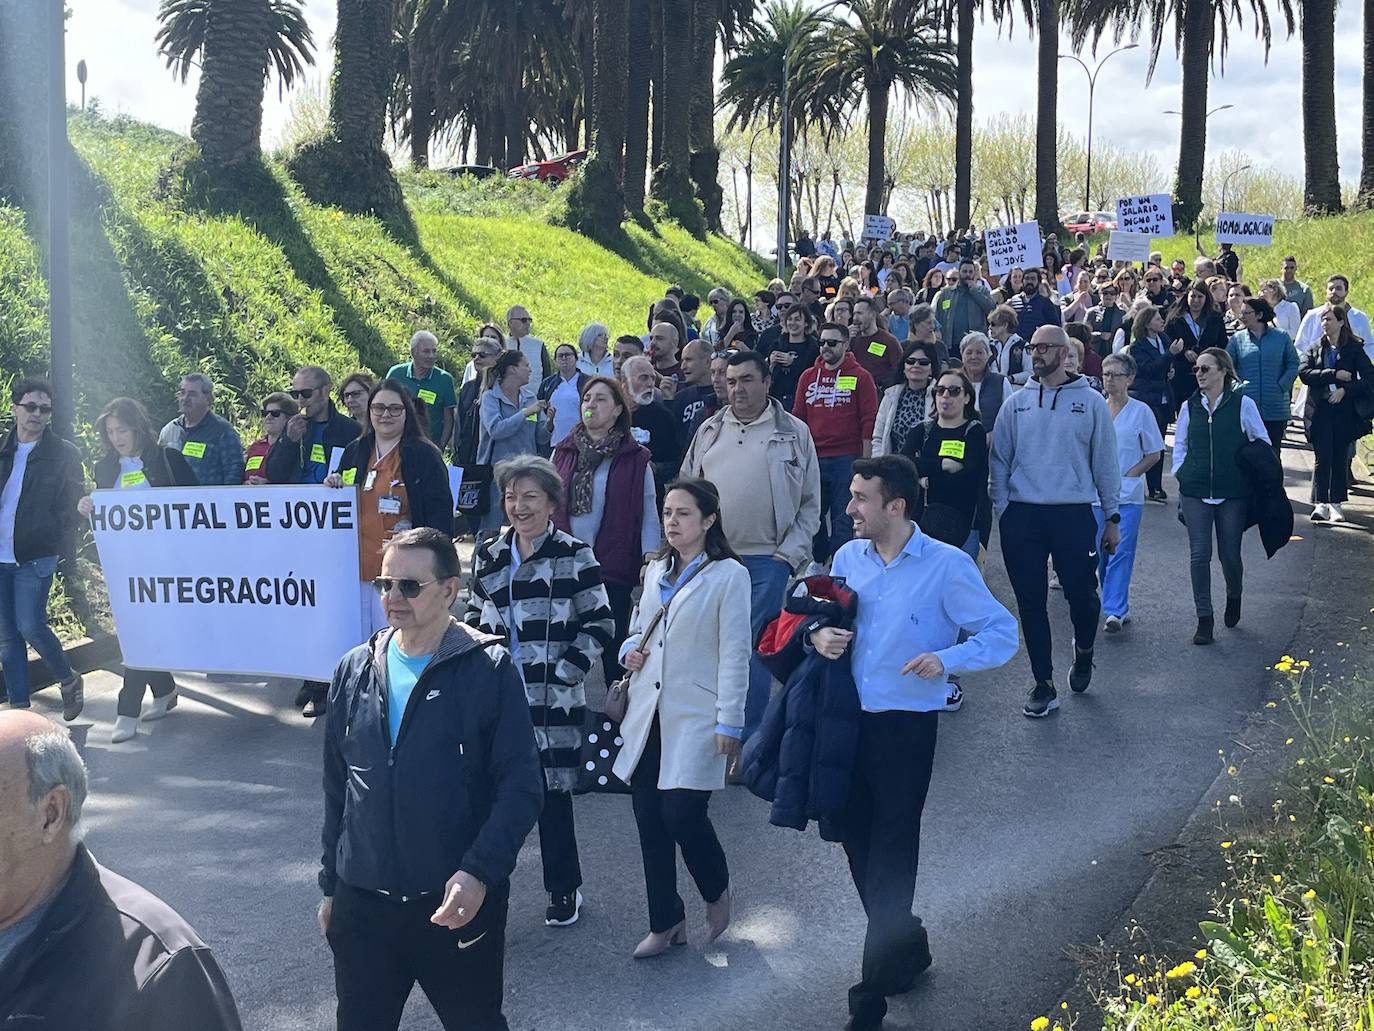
1149	215
1238	228
1010	247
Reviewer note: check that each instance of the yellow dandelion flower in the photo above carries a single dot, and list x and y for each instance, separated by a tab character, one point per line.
1269	1018
1309	894
1202	953
1182	970
1040	1023
1152	999
1271	705
1193	992
1278	878
1328	780
1227	844
1131	979
1289	741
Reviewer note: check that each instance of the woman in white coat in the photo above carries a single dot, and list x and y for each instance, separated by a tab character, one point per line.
685	718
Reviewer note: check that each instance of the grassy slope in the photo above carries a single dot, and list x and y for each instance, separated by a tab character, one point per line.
247	297
1322	247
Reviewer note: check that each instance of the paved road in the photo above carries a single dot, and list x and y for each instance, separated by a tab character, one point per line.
1037	836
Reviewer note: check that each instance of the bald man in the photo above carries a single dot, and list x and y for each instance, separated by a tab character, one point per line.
430	385
81	947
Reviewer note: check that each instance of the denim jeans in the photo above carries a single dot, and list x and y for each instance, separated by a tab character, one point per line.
1227	520
767	582
24	618
836	475
1114	571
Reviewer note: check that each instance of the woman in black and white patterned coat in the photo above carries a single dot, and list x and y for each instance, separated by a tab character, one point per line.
541	590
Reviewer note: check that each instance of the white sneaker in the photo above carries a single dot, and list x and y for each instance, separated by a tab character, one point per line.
1320	513
1113	624
160	707
1335	514
954	699
124	729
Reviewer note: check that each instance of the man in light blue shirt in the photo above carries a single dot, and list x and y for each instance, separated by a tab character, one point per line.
916	596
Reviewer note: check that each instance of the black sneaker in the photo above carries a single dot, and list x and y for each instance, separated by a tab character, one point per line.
1081	673
1042	700
1203	634
955	699
563	910
73	697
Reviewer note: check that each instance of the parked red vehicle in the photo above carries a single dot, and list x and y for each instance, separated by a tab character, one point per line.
1090	222
553	171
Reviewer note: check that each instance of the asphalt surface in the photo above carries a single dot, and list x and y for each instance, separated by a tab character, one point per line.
1036	836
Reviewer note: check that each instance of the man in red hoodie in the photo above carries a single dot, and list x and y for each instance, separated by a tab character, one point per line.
838	401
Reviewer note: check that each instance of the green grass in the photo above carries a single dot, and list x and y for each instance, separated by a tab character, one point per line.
165	284
1291	940
1322	246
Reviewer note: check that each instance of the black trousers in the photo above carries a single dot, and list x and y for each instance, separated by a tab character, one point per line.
1031	534
382	946
1154	476
130	701
558	844
1275	428
669	821
622	608
1330	442
881	834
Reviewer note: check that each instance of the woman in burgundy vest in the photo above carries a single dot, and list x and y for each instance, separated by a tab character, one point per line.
611	501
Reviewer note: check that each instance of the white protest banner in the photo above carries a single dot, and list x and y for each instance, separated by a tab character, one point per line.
1151	215
1128	246
232	579
1238	228
879	227
1017	246
455	484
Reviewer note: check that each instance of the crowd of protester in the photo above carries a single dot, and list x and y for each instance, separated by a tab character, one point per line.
650	501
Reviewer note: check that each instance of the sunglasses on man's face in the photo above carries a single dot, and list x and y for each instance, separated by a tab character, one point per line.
34	407
302	395
272	413
409	588
353	395
953	390
1154	279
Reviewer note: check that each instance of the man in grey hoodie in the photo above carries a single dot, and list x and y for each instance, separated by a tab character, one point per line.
1054	457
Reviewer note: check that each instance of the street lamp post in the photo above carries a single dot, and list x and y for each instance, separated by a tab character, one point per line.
785	146
1092	87
59	217
1227	182
749	187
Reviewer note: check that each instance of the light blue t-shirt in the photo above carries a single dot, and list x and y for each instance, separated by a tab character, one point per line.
402	672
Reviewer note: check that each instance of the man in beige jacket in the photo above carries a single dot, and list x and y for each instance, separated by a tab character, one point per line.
763	463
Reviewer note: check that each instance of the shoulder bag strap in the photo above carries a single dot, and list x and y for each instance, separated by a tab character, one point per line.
663	610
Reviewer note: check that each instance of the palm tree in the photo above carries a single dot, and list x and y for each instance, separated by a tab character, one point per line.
704	158
235	43
596	202
889	43
672	183
1047	117
1367	133
958	22
1201	30
752	80
1321	165
639	58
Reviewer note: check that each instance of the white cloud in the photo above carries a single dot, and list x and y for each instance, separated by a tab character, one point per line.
116	39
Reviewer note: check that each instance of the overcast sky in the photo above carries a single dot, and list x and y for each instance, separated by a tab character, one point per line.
116	39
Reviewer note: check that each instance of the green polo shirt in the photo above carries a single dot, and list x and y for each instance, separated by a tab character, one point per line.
436	390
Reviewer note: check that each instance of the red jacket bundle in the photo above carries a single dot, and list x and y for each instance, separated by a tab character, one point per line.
839	406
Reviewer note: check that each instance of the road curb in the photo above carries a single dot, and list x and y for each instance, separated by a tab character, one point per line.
85	655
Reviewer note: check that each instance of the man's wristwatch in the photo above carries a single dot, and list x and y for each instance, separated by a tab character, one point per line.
1115	517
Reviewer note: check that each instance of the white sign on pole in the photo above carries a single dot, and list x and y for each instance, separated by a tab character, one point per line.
1018	246
879	227
232	579
1151	215
1238	228
1128	246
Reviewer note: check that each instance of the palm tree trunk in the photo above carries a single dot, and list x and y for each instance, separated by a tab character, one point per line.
656	73
421	105
705	157
587	65
639	59
596	203
357	99
1367	129
228	118
1046	118
1321	165
879	95
1192	145
672	183
963	117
